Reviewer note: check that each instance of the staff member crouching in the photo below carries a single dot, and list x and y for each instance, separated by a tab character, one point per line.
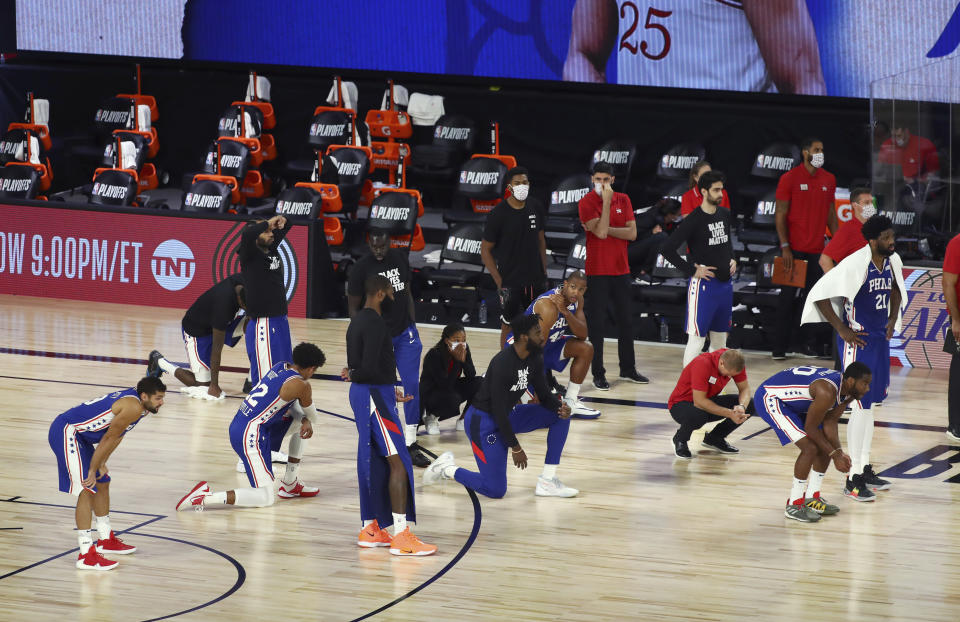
449	379
696	400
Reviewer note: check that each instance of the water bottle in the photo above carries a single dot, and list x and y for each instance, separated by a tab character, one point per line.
482	316
664	331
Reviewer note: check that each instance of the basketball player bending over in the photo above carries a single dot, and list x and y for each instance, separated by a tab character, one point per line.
494	419
562	320
100	423
803	406
262	421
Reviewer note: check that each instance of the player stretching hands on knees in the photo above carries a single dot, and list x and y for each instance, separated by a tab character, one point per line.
262	421
803	406
384	470
101	422
494	419
562	320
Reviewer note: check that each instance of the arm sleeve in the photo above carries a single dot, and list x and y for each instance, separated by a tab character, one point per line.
469	370
679	236
539	381
500	406
279	234
248	238
371	338
355	284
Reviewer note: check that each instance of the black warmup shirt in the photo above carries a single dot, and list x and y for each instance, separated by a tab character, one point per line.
708	238
370	349
396	268
515	234
441	370
506	379
262	272
214	309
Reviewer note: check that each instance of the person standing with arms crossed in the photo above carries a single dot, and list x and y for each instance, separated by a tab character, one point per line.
268	332
610	225
804	208
706	231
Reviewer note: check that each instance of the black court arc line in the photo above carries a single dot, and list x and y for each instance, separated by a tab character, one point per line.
9	528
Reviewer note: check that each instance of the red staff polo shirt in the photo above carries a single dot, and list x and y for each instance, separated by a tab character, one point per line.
810	198
702	374
609	255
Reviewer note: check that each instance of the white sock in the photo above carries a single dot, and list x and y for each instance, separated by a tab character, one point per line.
449	471
692	351
167	366
216	498
798	490
293	469
399	523
573	391
867	436
549	471
410	433
718	341
816	481
103	526
85	540
856	431
367	523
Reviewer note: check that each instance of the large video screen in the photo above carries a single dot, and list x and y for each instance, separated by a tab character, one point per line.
814	47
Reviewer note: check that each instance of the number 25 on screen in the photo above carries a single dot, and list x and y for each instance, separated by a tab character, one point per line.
630	12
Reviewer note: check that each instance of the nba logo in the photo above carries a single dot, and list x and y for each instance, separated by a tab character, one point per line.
760	160
665	161
436	131
463	177
554	197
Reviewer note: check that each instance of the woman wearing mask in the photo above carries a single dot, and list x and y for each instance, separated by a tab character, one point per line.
448	379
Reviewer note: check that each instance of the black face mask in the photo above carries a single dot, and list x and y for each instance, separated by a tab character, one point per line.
386	305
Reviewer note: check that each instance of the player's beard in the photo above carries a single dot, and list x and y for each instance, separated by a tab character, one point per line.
534	348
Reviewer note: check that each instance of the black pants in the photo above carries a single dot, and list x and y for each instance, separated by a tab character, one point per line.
446	405
606	293
790	307
692	418
642	254
953	394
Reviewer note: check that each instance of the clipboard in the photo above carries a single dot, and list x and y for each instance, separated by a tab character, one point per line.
798	278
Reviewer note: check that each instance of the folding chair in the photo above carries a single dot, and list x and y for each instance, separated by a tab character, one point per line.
673	171
620	155
114	186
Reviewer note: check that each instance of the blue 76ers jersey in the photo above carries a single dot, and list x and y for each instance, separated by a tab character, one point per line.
792	386
560	327
264	402
92	418
870	309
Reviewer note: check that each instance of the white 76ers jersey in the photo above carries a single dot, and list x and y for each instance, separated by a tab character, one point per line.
693	44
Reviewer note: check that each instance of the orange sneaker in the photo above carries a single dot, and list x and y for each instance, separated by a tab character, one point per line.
405	543
372	536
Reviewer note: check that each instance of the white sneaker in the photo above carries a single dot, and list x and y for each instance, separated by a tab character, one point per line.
434	472
580	410
240	467
554	488
432	424
278	456
461	426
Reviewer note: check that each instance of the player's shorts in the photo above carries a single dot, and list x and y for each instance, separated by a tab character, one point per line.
73	457
515	300
786	422
198	355
876	356
253	442
377	404
268	343
709	306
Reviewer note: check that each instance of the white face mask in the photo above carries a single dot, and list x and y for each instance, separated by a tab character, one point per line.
455	344
598	187
868	211
900	141
816	160
520	192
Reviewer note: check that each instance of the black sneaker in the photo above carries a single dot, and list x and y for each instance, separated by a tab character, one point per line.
601	382
779	355
418	457
720	445
153	364
555	386
954	433
858	490
246	386
634	376
874	482
680	449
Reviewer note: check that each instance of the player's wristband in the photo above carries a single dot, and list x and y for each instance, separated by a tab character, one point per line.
785	245
833	452
520	451
310	412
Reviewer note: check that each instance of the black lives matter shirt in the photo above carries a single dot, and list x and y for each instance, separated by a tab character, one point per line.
214	309
506	379
396	268
708	238
262	272
370	350
515	234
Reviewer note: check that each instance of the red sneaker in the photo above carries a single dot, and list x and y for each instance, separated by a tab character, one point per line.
296	489
94	561
114	545
194	498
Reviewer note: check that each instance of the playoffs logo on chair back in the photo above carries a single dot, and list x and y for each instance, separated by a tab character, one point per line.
330	127
299	204
113	188
253	122
620	155
234	159
463	245
19	182
395	212
114	114
483	179
567	194
207	196
776	159
454	132
679	159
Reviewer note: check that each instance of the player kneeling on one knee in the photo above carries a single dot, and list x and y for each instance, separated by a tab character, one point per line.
495	418
262	417
803	406
83	438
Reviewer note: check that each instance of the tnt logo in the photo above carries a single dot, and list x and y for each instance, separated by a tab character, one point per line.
173	265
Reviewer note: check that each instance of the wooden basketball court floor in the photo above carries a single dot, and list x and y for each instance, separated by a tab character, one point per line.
649	538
